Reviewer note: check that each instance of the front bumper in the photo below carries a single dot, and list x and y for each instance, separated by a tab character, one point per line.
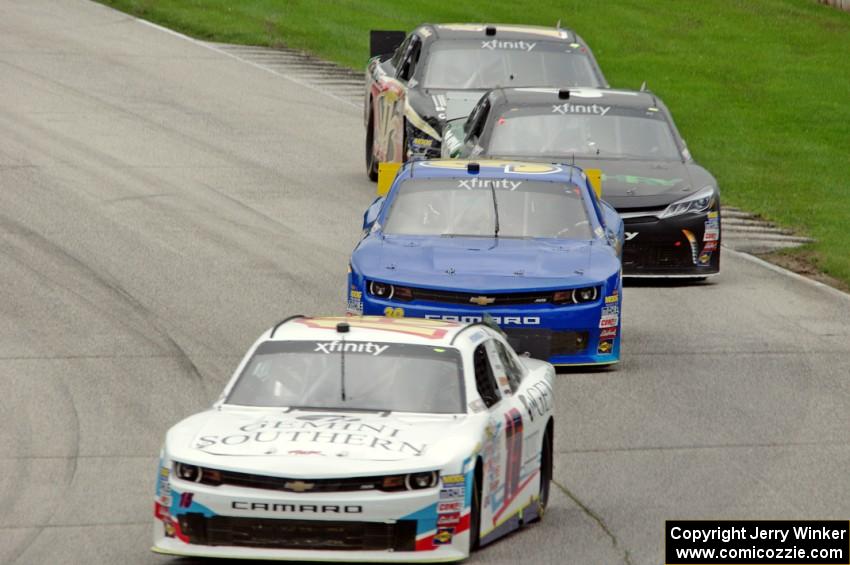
578	334
681	246
192	519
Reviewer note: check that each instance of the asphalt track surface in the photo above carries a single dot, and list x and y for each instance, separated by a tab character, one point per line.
161	204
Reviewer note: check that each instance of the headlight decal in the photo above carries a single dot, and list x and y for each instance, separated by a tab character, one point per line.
694	245
699	201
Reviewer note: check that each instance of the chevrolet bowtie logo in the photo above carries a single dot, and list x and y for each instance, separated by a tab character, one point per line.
482	300
298	486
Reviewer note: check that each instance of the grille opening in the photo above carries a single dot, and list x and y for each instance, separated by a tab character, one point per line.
273	533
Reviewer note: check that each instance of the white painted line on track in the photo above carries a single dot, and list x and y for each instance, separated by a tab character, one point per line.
288	77
782	270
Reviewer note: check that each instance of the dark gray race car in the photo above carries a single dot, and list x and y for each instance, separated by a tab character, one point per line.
415	83
670	204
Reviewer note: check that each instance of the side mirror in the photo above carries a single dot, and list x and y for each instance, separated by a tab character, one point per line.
372	212
452	139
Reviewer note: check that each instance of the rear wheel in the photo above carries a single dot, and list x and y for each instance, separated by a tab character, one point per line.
475	510
545	473
371	163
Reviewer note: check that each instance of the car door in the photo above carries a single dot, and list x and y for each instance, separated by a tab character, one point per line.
506	454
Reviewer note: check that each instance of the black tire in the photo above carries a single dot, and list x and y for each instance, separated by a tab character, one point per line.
475	510
545	473
371	163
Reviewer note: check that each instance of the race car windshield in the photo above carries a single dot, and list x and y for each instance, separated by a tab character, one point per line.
378	376
465	207
474	65
609	135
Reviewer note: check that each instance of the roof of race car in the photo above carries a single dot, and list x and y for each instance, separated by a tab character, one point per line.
529	96
370	328
507	32
458	168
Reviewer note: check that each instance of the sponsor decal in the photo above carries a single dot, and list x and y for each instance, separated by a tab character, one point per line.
443	536
711	235
476	182
712	215
411	326
454	479
297	508
448	518
492	44
611	310
608	321
373	349
355	302
611	299
334	430
537	399
605	347
455	506
422	142
170	530
501	320
452	493
568	108
492	455
608	333
710	246
506	166
163	487
630	235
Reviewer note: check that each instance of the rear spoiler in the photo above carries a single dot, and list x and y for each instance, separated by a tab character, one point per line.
383	42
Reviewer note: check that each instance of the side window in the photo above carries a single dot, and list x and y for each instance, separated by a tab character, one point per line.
477	121
411	57
485	380
400	52
512	369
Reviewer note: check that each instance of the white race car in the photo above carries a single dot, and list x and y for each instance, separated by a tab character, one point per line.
361	439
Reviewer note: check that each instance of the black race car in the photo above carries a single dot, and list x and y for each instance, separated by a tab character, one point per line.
415	82
670	204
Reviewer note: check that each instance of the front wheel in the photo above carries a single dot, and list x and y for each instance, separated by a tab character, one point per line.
545	474
371	163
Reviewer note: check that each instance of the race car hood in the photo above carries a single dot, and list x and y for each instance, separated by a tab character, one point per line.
310	442
484	264
628	184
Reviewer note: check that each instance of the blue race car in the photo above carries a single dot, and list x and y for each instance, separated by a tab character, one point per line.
528	243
